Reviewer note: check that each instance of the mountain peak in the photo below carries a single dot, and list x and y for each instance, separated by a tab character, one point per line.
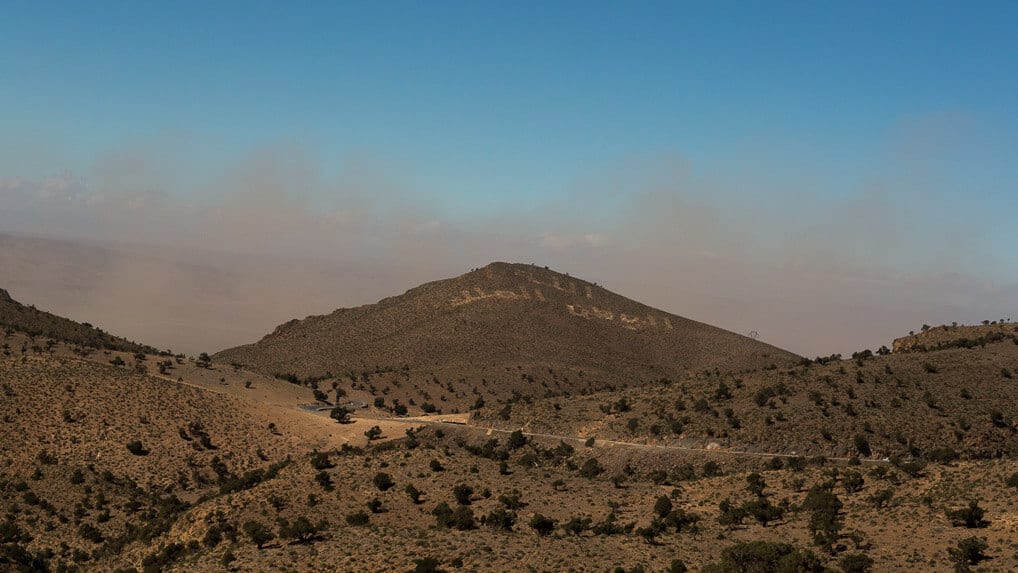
505	326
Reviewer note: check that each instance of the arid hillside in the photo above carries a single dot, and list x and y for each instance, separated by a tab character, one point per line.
28	319
132	461
960	400
499	331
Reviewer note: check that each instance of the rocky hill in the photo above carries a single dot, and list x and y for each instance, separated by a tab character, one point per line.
503	330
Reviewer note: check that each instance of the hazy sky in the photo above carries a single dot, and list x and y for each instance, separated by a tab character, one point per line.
771	166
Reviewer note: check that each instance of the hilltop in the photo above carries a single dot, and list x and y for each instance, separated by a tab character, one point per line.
503	330
35	322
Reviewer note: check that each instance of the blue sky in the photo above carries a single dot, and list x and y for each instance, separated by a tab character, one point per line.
483	101
820	141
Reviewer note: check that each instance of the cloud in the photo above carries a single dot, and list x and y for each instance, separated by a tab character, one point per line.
277	236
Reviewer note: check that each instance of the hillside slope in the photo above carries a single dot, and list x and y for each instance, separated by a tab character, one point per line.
517	327
28	319
958	400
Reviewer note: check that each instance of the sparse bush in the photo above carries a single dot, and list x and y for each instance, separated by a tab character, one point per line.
383	481
357	519
462	493
856	563
663	506
374	433
971	516
765	556
136	448
591	468
501	520
541	524
711	469
413	493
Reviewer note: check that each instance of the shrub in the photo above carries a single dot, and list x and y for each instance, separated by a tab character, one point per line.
862	445
463	518
1013	480
320	461
852	481
136	448
90	532
324	480
443	515
516	440
591	468
766	556
462	493
663	506
501	519
856	563
880	498
971	516
755	484
711	469
383	481
357	519
577	525
541	524
413	493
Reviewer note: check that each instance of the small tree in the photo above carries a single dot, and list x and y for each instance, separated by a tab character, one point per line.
824	523
204	360
258	533
852	481
763	511
301	530
862	445
516	440
340	414
970	551
374	433
755	484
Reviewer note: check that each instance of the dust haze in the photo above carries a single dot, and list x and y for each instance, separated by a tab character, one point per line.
276	237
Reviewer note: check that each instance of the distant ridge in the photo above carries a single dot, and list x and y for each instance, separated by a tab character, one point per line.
501	323
35	322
